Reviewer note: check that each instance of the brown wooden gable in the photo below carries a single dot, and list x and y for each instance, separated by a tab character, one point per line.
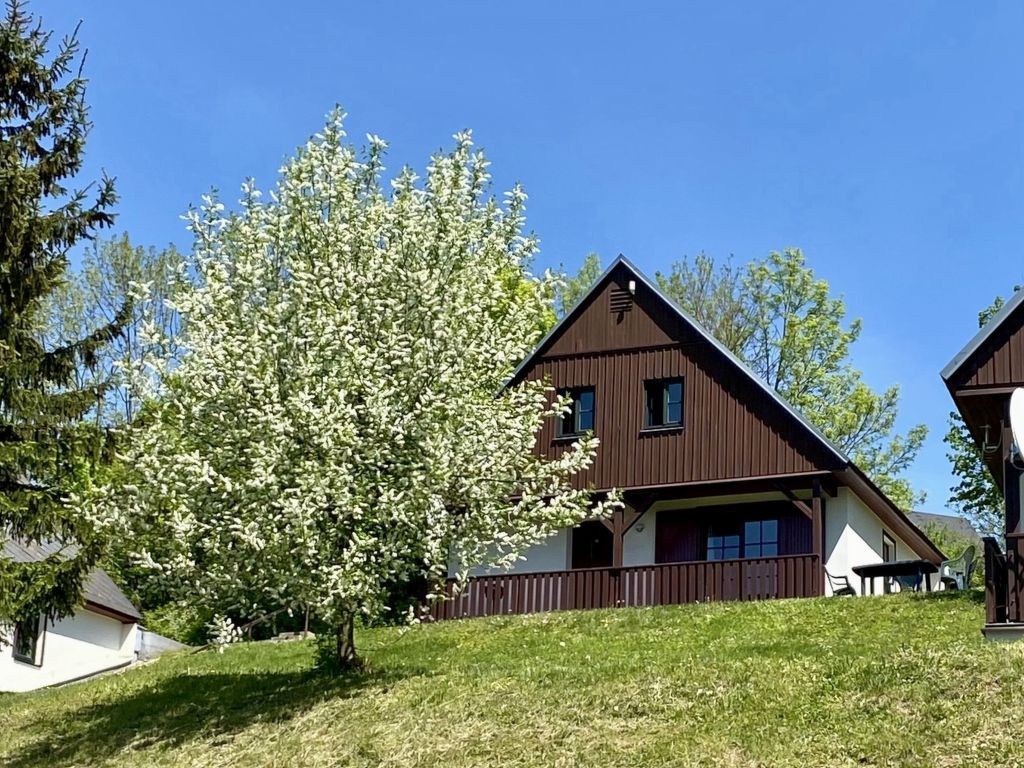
998	361
984	373
733	428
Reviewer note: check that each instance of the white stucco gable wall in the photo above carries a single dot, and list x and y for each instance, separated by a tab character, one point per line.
853	536
77	646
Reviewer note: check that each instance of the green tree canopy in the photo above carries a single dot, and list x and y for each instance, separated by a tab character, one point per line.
44	449
572	287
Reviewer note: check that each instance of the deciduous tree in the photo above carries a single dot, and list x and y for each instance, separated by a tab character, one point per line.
337	421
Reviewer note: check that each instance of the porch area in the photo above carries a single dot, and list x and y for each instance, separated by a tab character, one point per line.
762	578
723	541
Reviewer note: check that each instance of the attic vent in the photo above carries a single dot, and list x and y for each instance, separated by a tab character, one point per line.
620	300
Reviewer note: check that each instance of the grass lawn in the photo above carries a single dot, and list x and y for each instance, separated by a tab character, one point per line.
899	680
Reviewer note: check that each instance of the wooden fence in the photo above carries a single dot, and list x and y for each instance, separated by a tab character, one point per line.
665	584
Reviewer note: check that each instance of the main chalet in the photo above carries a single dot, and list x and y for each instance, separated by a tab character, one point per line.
729	492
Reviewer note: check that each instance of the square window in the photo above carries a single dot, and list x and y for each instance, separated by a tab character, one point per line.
580	417
664	403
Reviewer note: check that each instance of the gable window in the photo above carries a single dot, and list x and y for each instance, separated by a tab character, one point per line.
664	399
580	417
888	548
26	640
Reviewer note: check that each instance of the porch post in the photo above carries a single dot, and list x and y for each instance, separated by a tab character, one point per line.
818	536
622	522
618	536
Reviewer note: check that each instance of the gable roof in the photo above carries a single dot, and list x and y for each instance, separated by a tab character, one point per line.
983	335
852	474
687	318
99	592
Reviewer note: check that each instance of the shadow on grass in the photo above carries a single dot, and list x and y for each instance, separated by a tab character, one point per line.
176	709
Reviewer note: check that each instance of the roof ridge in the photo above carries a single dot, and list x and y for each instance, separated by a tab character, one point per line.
621	260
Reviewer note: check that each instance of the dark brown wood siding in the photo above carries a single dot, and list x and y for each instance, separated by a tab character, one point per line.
681	535
732	427
999	362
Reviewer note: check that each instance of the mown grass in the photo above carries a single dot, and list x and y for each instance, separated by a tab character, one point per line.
886	681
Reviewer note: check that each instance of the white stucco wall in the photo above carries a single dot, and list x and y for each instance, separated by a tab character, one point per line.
74	647
853	536
552	554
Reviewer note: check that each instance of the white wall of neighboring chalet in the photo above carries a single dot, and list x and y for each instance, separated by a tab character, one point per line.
77	646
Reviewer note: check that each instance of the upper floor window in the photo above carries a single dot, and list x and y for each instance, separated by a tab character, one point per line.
26	640
580	417
664	403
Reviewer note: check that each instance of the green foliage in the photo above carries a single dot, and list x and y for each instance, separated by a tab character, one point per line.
46	455
112	273
789	328
714	293
976	495
181	621
953	544
573	287
900	680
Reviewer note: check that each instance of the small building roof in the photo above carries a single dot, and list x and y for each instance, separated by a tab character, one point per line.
955	524
99	593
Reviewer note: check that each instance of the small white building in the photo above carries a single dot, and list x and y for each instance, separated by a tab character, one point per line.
99	637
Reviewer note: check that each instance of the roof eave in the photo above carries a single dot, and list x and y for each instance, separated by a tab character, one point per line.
981	336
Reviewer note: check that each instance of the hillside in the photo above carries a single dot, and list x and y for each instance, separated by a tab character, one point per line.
901	680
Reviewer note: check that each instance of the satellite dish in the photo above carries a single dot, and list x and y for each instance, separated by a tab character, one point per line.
1017	419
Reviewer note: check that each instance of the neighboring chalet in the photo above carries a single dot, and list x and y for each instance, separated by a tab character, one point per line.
981	379
729	492
98	637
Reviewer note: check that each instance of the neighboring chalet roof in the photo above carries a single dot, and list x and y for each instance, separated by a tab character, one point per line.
100	593
983	335
955	524
982	375
849	472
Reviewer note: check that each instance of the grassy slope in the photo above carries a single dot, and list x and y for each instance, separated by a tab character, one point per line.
901	680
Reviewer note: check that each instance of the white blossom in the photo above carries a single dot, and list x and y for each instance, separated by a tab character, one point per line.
330	426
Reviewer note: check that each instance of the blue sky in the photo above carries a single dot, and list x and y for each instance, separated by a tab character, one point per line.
886	140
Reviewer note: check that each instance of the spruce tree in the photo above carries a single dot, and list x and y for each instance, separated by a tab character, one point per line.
45	449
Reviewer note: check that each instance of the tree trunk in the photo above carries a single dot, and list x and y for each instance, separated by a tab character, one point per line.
345	652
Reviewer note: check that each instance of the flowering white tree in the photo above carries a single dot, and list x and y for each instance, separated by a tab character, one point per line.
337	421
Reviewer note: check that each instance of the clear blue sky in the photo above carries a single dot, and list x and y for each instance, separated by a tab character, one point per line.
884	139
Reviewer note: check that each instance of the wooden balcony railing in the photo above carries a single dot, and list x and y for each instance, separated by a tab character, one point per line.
645	585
